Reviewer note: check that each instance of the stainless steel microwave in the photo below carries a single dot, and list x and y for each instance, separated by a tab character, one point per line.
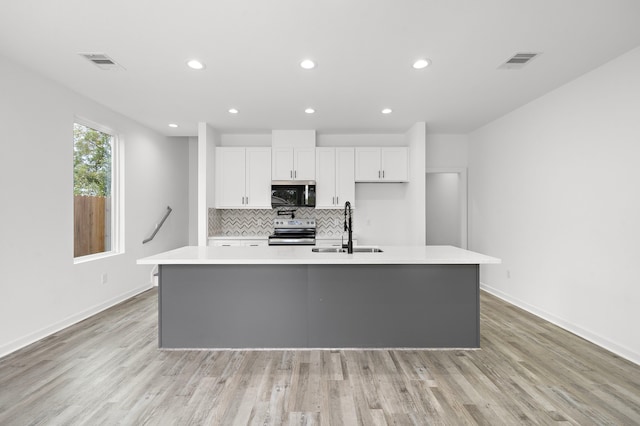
293	193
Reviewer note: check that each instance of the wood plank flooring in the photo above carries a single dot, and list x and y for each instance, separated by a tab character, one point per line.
108	370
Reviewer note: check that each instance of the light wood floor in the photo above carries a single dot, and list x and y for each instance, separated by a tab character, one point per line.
107	370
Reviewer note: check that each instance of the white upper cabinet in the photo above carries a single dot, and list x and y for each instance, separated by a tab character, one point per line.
395	164
230	177
368	164
381	164
345	176
325	178
335	177
258	181
293	164
294	155
304	163
243	178
282	164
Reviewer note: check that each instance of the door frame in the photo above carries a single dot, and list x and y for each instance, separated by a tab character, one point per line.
462	172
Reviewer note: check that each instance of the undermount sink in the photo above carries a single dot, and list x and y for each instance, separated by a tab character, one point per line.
344	250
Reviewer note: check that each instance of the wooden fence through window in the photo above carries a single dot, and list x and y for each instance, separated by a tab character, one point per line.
89	225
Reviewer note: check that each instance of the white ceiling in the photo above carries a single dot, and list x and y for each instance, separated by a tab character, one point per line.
364	50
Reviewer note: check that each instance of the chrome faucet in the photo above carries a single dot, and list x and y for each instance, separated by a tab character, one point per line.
348	226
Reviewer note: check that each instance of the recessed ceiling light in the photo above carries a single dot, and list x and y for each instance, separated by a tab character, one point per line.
195	64
309	110
308	64
421	63
173	125
387	111
233	111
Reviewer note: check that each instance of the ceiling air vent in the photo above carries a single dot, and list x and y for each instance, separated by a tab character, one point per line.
102	61
518	60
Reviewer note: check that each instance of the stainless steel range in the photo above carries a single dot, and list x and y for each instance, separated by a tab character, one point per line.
293	232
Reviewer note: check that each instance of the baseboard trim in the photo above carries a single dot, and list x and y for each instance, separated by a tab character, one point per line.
567	325
69	321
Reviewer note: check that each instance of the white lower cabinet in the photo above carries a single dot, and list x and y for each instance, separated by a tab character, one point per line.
238	243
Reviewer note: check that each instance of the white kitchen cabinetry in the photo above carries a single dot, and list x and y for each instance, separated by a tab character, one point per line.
293	163
381	164
243	178
294	154
335	177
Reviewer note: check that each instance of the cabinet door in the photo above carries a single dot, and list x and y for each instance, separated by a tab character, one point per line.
282	163
255	243
258	178
230	177
345	176
394	164
304	163
226	243
368	164
325	178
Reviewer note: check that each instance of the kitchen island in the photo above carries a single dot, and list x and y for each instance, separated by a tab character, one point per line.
291	297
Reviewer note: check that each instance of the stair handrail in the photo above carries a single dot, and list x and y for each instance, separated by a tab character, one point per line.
158	226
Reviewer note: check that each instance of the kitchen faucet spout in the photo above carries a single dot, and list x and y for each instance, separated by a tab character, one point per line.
348	225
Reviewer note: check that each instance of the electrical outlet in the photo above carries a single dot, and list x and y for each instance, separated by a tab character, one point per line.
104	278
508	273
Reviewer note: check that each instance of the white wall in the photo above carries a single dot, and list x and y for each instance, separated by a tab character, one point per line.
361	139
41	290
443	209
447	151
193	191
208	139
554	192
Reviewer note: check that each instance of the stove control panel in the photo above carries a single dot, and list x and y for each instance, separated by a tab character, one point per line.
294	223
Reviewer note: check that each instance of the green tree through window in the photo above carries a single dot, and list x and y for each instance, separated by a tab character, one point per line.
91	162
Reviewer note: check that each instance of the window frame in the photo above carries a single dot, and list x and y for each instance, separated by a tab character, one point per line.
117	192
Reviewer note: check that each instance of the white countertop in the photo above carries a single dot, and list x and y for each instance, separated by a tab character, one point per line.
302	255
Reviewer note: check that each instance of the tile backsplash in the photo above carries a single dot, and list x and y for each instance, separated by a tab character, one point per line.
240	222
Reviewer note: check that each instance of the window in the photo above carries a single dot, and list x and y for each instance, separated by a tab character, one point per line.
95	195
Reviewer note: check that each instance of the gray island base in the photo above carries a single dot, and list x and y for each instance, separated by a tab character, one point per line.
319	306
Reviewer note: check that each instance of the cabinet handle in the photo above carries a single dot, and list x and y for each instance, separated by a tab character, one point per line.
378	174
383	174
333	200
247	200
295	174
291	173
337	200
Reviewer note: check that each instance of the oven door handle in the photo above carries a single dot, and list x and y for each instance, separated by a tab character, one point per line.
291	241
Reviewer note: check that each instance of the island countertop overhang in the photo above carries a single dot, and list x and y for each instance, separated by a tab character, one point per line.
302	255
